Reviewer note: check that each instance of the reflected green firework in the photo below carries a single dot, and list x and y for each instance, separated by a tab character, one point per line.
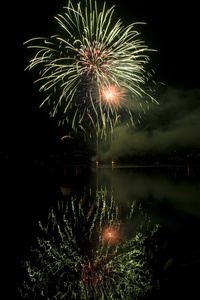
90	253
94	67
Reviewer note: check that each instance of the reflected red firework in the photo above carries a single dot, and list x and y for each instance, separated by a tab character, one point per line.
112	235
90	257
93	274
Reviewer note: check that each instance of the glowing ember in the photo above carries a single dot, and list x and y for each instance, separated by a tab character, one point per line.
112	235
94	271
111	94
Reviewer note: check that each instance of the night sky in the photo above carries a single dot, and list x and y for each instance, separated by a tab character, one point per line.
28	135
171	29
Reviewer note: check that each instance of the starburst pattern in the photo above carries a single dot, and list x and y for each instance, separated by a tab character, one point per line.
91	55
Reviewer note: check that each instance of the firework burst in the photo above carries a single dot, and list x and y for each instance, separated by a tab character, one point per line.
90	254
94	67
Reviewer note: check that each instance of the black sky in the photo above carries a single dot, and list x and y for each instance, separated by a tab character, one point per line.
172	28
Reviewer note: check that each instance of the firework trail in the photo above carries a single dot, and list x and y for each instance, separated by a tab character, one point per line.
95	67
88	254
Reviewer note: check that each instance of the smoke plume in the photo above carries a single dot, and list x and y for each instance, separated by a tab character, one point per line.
174	123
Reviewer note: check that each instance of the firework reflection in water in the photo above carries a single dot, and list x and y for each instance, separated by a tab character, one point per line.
91	254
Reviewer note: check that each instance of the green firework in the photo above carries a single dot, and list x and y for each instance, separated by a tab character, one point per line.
94	68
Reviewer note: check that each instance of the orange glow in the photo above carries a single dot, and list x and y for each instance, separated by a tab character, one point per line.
66	136
111	94
111	235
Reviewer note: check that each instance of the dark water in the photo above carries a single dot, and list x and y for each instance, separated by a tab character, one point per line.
169	195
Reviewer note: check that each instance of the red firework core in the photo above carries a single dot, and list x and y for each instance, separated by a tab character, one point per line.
94	59
111	94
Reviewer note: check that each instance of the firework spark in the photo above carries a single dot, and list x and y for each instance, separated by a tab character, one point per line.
89	256
112	95
92	62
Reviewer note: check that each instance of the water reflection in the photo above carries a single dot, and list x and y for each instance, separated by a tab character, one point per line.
94	248
179	187
102	241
